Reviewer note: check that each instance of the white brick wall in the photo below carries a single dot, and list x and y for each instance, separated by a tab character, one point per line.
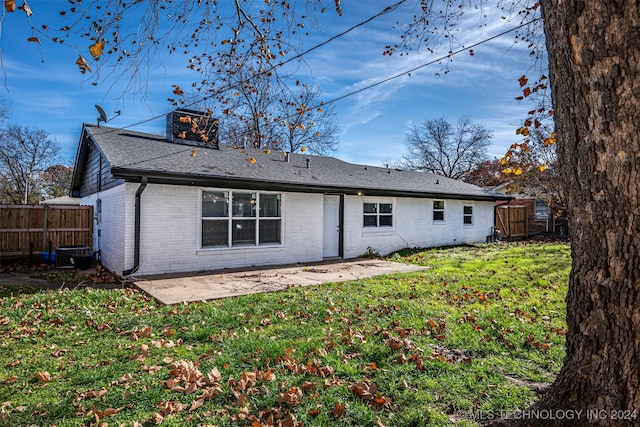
170	231
111	241
413	225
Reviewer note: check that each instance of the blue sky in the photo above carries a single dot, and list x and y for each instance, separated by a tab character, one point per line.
44	88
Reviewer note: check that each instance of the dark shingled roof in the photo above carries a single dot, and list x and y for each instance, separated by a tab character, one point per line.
132	155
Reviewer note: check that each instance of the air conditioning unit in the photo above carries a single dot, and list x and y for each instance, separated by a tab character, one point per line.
65	255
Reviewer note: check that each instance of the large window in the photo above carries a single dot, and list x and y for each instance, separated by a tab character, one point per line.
438	210
467	217
236	218
378	214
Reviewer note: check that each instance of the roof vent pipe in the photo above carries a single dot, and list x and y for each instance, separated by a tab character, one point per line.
287	157
308	163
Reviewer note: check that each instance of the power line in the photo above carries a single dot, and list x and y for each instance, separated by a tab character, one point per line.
388	79
386	10
404	73
463	49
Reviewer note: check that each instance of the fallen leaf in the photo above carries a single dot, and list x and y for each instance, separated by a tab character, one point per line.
43	377
125	378
110	411
196	404
214	376
291	397
338	410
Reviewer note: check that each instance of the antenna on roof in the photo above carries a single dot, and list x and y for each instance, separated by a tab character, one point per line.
103	115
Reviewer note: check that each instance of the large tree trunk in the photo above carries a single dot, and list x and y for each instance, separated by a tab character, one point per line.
594	65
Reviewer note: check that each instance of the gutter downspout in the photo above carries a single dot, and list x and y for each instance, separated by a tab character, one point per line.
136	241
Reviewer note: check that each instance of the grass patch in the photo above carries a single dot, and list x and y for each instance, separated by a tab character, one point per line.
409	349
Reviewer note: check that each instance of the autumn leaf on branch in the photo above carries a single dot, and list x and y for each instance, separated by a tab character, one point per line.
10	5
83	64
523	80
25	7
96	49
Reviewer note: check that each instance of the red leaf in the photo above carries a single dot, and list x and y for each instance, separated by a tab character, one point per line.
523	81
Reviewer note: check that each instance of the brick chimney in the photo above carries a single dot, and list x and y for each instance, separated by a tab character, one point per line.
190	127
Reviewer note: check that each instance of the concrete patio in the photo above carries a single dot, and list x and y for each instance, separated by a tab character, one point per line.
174	289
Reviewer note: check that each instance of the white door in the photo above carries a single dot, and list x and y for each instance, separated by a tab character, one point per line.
331	227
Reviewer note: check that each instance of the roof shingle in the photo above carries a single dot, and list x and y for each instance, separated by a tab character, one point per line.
132	153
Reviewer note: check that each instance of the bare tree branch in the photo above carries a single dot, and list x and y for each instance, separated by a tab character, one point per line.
438	147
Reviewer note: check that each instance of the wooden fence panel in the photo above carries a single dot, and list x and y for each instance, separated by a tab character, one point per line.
512	221
21	226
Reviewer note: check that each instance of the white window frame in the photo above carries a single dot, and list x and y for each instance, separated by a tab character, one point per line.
377	214
537	207
466	215
232	219
443	210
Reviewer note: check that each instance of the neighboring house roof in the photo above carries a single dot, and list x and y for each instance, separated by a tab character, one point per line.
132	155
64	200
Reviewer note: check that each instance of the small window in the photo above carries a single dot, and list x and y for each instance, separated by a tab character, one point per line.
541	210
467	217
438	210
377	214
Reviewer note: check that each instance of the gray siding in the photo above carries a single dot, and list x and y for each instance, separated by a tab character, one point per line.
97	173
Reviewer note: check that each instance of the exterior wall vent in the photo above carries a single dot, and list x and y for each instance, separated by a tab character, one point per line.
190	127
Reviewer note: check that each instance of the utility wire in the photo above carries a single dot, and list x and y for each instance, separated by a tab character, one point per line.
388	79
386	10
428	63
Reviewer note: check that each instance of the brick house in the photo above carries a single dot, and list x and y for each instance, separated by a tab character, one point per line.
173	204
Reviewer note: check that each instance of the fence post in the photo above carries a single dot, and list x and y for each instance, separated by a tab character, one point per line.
44	227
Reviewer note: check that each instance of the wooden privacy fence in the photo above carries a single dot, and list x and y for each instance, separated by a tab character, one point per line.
23	226
512	221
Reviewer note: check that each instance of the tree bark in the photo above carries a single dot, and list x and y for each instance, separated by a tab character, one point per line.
594	66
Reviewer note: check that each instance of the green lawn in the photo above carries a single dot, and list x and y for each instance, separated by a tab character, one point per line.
463	337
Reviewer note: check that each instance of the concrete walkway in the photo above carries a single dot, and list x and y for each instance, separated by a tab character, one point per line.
222	284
